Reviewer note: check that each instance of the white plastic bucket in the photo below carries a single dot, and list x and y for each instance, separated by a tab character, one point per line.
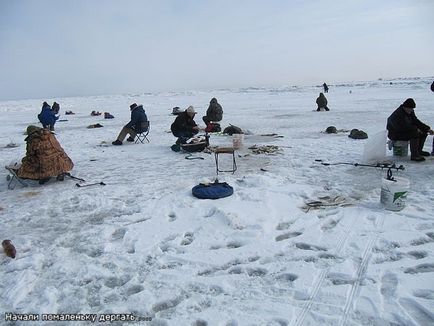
400	148
237	141
394	193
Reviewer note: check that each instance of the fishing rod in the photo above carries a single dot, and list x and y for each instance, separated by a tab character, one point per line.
388	166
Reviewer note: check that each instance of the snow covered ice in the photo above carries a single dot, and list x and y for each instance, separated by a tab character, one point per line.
144	245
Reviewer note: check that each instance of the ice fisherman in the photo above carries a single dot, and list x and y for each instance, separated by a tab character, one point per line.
321	101
45	158
326	88
138	124
47	117
403	125
214	114
184	126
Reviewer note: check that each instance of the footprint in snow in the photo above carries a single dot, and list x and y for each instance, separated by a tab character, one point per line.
329	225
200	322
417	254
283	226
389	284
286	277
234	245
421	241
424	294
288	235
134	289
114	282
172	217
188	239
340	279
306	246
422	268
118	234
258	271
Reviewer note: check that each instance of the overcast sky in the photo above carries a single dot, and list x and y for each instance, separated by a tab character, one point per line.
55	48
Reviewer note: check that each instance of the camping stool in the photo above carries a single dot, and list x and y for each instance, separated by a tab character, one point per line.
225	150
141	136
400	148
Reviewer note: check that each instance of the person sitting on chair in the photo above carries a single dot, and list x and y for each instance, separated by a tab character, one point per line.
321	101
213	114
138	124
403	124
45	158
47	117
184	126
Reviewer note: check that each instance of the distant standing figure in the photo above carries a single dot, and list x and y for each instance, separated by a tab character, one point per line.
403	124
326	88
44	158
184	126
214	112
321	101
137	124
47	117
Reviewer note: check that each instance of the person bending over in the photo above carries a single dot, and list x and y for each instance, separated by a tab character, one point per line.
184	126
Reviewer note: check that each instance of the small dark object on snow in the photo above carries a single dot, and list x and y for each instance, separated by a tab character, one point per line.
69	113
90	184
331	130
107	115
432	86
358	134
233	130
96	125
9	248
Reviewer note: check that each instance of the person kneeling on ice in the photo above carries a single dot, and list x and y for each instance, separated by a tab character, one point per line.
213	114
47	117
138	124
403	125
321	101
45	158
184	126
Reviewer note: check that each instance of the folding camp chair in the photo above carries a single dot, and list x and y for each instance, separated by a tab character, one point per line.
141	136
13	178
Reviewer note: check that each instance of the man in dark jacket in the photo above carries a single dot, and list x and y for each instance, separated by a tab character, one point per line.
214	112
139	123
321	101
184	126
47	117
403	124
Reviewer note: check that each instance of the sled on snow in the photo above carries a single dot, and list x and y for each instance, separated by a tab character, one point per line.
13	177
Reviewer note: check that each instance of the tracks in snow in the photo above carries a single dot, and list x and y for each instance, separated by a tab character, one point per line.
359	277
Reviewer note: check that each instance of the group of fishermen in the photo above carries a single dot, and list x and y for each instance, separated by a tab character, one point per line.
45	158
